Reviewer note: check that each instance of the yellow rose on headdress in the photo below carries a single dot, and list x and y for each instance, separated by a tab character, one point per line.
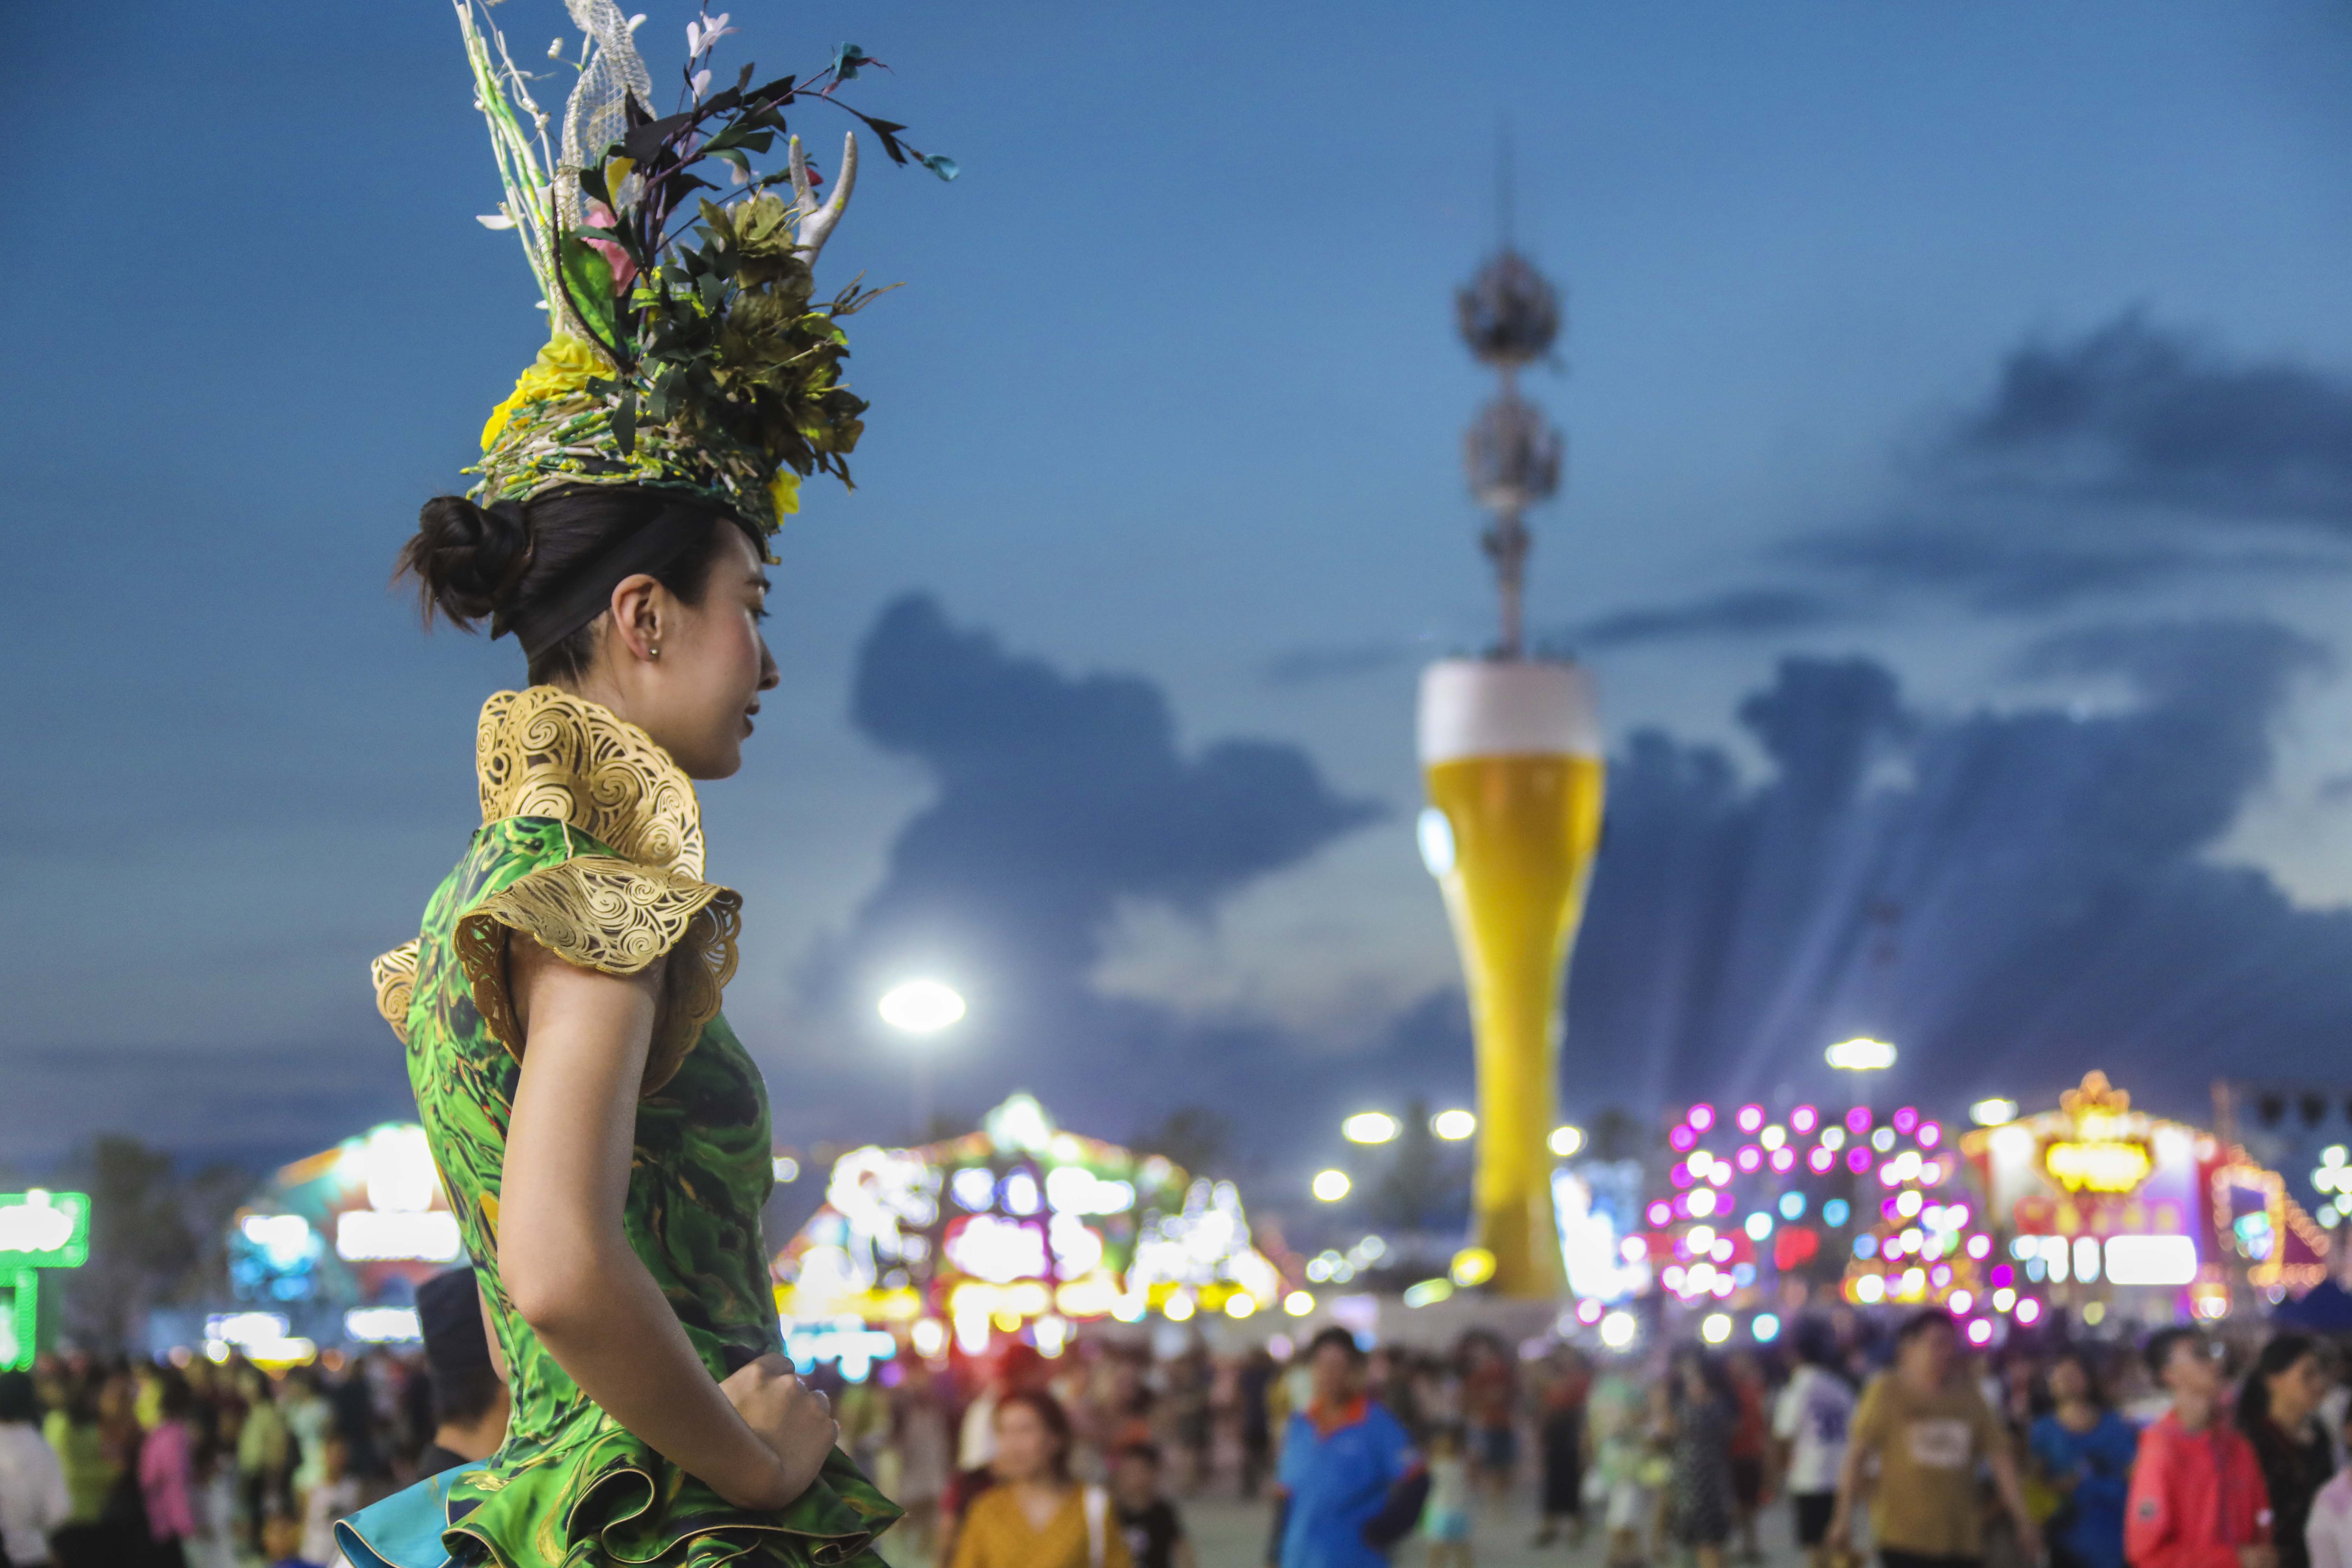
564	365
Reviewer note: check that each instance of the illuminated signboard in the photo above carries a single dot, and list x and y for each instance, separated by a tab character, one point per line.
38	1229
43	1230
2095	1167
2105	1166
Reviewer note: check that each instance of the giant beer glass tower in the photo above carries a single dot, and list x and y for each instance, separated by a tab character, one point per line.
1510	751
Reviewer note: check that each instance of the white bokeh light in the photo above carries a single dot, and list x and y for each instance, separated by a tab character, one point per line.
920	1007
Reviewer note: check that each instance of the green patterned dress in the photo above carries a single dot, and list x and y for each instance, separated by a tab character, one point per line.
592	844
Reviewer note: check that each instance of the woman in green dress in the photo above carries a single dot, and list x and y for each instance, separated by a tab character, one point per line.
602	1135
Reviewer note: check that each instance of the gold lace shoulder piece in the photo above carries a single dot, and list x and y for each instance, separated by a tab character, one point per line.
395	979
604	913
545	752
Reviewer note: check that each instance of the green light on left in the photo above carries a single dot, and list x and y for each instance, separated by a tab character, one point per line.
38	1229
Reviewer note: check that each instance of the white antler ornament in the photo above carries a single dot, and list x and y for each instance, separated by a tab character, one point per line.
816	220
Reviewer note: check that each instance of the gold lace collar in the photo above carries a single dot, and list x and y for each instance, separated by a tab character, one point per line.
545	752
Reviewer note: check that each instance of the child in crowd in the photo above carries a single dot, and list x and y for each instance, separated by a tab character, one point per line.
281	1543
336	1494
1445	1518
1154	1531
1811	1422
1619	1426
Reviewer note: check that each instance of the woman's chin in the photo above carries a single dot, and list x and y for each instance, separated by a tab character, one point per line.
721	760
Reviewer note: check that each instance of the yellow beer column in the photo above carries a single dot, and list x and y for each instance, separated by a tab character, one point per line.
1510	749
1511	753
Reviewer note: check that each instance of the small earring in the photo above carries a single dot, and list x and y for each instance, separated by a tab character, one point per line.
652	653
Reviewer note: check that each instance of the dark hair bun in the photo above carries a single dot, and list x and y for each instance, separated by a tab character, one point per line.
468	560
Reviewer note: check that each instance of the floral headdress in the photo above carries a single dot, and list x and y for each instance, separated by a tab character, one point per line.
687	351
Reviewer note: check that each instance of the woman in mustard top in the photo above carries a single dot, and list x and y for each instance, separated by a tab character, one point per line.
1035	1515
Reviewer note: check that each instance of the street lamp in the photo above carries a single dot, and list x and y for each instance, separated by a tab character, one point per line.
1453	1125
921	1008
1992	1112
1331	1186
1861	1056
1368	1126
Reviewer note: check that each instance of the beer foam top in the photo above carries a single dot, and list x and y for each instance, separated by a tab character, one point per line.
1503	708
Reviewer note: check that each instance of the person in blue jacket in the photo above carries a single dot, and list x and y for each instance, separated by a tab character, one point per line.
2084	1451
1343	1458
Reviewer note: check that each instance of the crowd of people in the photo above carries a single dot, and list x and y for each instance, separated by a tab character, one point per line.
187	1462
2192	1451
148	1464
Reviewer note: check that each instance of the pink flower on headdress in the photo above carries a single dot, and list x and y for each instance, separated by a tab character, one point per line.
624	271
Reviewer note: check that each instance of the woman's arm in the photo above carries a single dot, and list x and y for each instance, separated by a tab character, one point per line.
760	1439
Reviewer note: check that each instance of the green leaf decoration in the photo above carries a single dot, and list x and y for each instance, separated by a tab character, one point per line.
588	288
624	423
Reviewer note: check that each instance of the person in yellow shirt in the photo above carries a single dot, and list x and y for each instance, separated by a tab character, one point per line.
1927	1428
1035	1515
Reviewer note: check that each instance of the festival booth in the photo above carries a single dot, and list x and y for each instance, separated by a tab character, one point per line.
331	1249
2109	1209
1014	1232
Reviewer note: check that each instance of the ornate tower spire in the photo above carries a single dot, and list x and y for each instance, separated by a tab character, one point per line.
1508	316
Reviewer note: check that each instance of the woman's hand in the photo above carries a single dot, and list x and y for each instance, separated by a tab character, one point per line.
791	1418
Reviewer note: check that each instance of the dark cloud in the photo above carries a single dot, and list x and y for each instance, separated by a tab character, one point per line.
2131	412
2130	458
1741	612
2031	899
1059	796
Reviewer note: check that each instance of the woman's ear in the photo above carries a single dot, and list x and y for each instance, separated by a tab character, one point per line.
637	612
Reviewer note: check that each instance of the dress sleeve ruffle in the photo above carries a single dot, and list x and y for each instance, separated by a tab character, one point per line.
601	913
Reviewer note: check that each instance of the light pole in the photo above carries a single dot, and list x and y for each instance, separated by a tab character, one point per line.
921	1008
